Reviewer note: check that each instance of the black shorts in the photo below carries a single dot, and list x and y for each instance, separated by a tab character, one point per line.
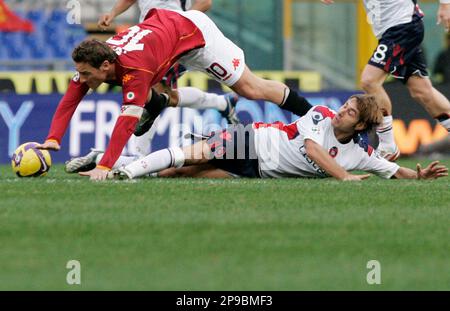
234	151
399	51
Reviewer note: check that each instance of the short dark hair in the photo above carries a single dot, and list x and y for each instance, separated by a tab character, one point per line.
94	52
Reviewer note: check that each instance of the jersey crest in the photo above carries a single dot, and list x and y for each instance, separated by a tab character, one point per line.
333	152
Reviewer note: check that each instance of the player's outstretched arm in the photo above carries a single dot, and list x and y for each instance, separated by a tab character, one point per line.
319	155
63	113
201	5
432	171
443	14
121	6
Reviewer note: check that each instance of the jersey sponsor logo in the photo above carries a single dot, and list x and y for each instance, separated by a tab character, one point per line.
126	78
333	152
320	113
314	165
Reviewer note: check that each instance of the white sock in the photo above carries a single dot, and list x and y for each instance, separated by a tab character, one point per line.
155	162
121	161
141	145
192	97
385	132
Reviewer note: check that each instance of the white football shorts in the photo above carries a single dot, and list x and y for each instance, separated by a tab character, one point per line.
220	58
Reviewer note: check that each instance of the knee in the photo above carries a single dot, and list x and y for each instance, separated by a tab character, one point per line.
368	84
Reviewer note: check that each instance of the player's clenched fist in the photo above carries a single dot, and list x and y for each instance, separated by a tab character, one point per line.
105	21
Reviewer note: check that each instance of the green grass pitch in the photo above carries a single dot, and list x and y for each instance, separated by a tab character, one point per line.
186	234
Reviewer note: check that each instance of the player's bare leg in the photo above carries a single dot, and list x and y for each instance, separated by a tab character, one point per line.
195	171
253	87
372	80
434	102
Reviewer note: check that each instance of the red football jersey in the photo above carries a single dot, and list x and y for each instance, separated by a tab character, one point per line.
145	53
148	50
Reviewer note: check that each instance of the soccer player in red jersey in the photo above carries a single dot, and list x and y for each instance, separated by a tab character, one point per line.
138	58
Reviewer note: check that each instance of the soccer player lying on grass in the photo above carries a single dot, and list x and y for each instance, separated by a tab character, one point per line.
322	143
138	58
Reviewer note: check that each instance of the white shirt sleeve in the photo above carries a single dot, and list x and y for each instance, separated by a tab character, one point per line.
311	126
377	165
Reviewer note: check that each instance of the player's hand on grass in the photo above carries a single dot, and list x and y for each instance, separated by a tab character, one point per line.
351	177
96	174
105	21
327	1
443	16
432	171
49	145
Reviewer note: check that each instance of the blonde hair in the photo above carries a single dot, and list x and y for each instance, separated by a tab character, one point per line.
370	113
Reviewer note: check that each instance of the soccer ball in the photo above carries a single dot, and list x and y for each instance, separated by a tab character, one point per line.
28	161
